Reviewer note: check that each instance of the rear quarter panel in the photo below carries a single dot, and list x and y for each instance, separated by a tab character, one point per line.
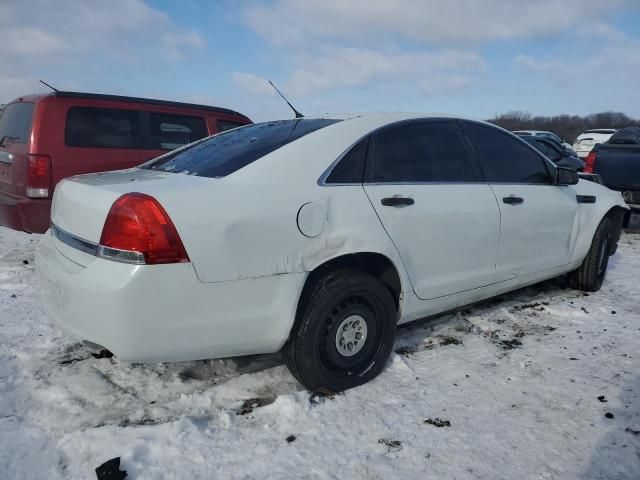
235	231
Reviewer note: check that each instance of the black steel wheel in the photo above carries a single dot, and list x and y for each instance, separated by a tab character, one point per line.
344	332
591	274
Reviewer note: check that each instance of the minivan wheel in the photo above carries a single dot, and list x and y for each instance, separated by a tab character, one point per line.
590	275
344	332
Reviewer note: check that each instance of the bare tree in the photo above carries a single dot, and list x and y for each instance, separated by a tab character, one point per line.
565	126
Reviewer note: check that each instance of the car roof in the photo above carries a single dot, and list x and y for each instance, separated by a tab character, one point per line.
126	99
374	120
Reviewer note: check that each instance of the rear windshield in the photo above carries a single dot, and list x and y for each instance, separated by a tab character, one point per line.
15	122
229	151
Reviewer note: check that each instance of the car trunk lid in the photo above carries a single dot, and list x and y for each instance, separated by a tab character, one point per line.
81	203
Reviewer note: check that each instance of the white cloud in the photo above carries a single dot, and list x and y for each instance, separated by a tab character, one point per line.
40	35
601	72
616	66
353	79
295	22
252	83
432	73
31	41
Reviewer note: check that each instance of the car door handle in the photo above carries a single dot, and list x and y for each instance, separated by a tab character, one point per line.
512	200
397	201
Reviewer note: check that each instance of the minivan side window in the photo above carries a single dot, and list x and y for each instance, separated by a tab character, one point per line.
351	167
102	128
427	151
15	121
506	158
224	125
168	132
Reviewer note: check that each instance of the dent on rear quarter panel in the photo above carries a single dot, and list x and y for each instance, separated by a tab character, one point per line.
258	235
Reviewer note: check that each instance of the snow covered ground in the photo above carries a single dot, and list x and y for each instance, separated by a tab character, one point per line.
515	388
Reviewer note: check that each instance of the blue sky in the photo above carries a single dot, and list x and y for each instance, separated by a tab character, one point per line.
469	57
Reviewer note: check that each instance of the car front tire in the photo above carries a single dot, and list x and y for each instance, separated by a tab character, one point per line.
344	332
590	275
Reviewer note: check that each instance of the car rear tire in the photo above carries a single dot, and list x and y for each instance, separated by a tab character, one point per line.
344	332
590	275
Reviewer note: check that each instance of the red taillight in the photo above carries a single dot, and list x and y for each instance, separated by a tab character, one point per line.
38	183
590	161
138	230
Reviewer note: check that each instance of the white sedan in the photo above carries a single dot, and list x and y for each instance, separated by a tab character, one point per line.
317	237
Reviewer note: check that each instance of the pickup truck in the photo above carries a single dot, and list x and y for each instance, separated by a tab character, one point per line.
617	161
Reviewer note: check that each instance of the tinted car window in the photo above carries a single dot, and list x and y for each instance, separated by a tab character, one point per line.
102	128
15	122
169	132
224	125
229	151
507	159
550	152
551	136
351	167
420	152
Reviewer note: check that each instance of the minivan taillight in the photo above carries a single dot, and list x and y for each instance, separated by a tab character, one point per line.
590	161
138	230
38	183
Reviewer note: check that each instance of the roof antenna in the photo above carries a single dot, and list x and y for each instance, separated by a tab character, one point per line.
52	88
298	114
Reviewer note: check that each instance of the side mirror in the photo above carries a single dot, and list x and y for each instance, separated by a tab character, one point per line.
566	176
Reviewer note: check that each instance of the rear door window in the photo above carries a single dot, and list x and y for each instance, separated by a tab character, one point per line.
102	128
430	151
350	169
15	122
168	132
506	158
229	151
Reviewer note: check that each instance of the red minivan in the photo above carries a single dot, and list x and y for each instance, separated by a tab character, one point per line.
45	138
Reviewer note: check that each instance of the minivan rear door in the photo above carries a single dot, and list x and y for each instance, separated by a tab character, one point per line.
15	138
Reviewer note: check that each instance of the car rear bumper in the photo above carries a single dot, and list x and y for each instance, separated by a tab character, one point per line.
148	313
24	214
